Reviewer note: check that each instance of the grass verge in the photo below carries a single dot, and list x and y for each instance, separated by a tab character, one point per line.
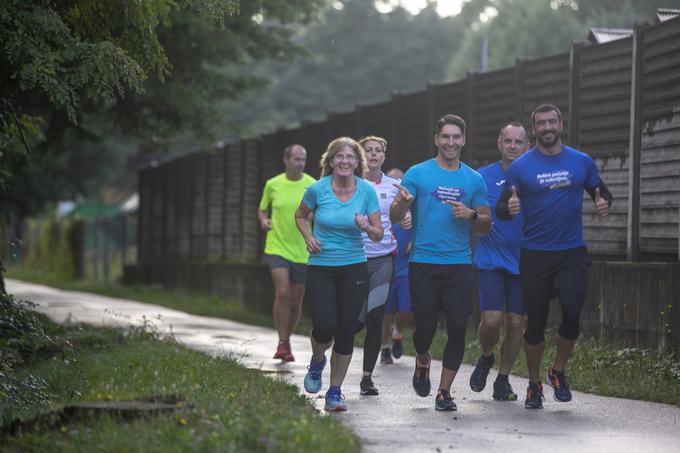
229	408
595	366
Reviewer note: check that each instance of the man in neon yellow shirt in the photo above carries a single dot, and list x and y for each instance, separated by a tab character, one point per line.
285	250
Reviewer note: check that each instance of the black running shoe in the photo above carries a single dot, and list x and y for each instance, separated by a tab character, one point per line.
481	372
421	379
443	402
397	348
386	356
367	387
560	384
534	396
502	390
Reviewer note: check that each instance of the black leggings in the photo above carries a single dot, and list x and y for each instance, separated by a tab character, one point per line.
335	295
374	321
449	288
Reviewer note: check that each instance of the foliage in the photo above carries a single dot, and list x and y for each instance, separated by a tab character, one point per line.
58	245
92	81
223	406
358	55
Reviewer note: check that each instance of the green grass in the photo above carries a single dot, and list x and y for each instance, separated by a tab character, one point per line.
229	407
595	366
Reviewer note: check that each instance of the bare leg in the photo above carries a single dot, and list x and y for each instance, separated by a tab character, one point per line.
319	349
511	342
386	330
564	349
447	378
402	319
534	354
489	331
281	309
297	292
339	366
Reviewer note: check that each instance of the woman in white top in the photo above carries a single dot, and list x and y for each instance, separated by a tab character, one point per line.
380	257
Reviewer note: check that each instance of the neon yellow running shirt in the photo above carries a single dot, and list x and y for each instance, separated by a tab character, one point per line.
284	196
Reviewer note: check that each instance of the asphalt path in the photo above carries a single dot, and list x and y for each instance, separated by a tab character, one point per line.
397	420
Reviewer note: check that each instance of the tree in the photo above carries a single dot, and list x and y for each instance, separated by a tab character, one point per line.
536	28
357	55
83	79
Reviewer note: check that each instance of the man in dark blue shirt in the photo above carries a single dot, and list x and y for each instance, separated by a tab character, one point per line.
547	182
497	261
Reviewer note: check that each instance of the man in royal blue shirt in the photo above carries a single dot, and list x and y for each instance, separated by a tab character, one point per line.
497	261
447	200
547	182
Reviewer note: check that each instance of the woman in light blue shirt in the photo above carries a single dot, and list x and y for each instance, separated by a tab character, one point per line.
344	206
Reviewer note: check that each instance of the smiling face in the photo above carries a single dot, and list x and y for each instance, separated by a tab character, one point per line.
512	143
375	155
547	128
449	142
345	162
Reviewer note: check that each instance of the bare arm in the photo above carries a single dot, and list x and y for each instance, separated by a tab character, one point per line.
402	201
265	221
482	222
371	225
301	216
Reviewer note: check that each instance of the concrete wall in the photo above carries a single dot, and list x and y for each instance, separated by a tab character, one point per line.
637	304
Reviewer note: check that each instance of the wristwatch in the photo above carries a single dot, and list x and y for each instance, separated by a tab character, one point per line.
474	216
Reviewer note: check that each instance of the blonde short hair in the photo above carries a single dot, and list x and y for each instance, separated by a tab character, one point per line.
334	147
380	140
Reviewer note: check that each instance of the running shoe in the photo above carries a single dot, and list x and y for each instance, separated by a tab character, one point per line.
421	379
534	396
502	390
397	348
560	384
313	376
443	402
367	386
280	350
386	356
481	372
288	355
335	402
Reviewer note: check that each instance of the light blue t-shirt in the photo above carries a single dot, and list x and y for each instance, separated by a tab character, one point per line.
334	226
499	249
550	190
440	238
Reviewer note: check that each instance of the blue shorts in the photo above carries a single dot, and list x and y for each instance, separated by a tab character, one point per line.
499	286
399	298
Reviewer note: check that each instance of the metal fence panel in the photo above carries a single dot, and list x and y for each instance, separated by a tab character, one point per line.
250	199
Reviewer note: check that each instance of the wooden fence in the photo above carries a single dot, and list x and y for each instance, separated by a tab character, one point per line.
620	102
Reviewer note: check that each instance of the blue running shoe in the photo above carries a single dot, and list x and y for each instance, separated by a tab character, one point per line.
558	381
335	402
313	376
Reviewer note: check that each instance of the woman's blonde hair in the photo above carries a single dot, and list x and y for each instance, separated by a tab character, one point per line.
381	141
334	147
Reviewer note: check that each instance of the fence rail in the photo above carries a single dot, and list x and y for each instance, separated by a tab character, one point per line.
620	103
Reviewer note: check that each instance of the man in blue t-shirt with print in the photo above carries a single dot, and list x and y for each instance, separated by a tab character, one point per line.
497	261
447	199
547	182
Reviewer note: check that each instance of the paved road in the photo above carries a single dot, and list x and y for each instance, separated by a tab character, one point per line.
398	420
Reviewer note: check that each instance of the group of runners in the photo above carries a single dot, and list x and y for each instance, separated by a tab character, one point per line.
335	242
